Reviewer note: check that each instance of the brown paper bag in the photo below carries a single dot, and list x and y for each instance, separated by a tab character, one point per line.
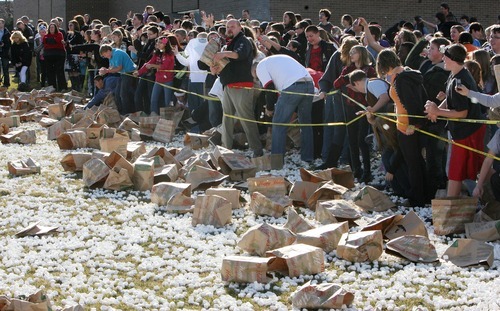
268	162
196	141
56	111
47	122
211	210
373	200
396	226
182	154
118	143
296	260
342	177
264	237
272	206
166	173
268	185
135	150
297	223
19	137
127	125
118	179
237	166
242	269
327	191
20	168
449	215
164	191
179	203
190	163
73	139
483	231
12	121
95	172
143	175
166	156
326	237
203	178
321	296
331	211
415	248
301	191
116	160
108	116
360	246
230	194
149	122
73	162
93	132
467	252
83	123
164	131
58	128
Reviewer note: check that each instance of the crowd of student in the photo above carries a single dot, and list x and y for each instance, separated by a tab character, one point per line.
423	71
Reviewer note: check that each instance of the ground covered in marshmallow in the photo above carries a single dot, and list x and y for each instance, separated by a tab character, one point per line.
119	251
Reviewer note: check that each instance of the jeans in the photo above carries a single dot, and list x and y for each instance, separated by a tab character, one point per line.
286	105
161	96
328	117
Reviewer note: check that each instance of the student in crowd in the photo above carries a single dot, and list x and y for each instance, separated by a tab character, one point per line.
408	94
324	20
20	58
5	52
105	86
120	64
464	164
162	64
283	73
237	73
357	131
55	55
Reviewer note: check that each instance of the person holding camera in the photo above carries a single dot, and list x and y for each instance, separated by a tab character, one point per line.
464	164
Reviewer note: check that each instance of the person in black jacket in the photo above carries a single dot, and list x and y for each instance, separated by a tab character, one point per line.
5	52
236	74
409	97
142	96
435	77
21	57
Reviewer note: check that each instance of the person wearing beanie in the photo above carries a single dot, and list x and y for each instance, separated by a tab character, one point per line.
464	164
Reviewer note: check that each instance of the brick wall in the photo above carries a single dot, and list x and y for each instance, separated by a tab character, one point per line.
386	13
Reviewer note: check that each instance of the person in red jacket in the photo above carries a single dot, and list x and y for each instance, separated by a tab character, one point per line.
55	56
163	63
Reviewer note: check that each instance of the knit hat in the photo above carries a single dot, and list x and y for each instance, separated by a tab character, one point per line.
456	52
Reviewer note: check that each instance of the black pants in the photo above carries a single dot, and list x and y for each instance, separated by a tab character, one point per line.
5	70
317	118
356	133
495	185
411	147
55	71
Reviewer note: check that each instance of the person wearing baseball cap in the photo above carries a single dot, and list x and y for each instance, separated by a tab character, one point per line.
464	164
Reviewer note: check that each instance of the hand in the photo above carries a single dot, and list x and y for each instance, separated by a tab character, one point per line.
322	95
175	49
129	14
215	69
291	32
269	113
410	130
432	117
431	108
135	73
463	90
362	21
478	191
149	66
103	71
218	56
389	176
